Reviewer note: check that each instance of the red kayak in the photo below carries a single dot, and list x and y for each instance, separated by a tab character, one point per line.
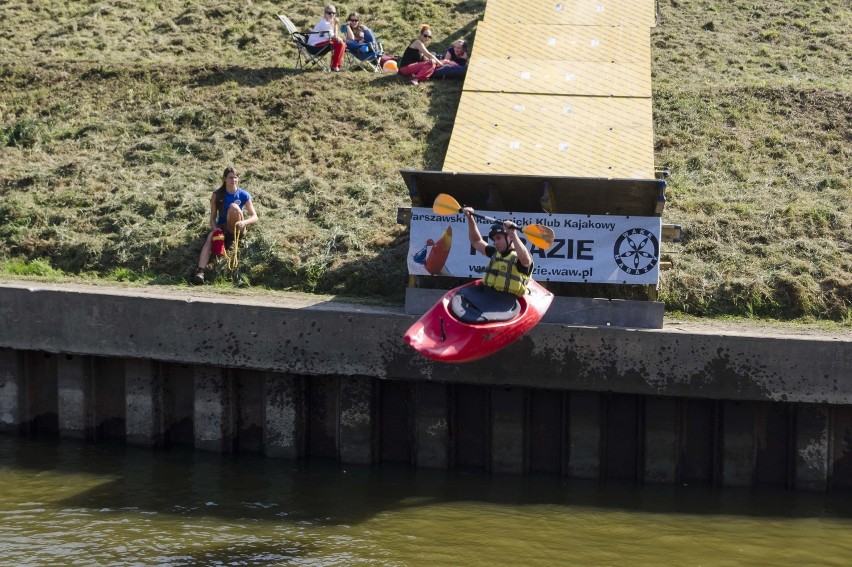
473	321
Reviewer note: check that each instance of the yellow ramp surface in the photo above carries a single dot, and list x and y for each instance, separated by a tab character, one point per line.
559	77
553	112
558	88
614	153
611	44
572	12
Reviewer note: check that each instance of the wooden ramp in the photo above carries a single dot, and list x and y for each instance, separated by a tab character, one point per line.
560	78
555	118
609	44
639	13
529	134
558	89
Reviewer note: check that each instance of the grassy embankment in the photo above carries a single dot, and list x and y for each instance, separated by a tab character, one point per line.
116	119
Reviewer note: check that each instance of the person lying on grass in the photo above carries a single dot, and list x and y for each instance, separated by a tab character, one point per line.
455	62
456	54
226	214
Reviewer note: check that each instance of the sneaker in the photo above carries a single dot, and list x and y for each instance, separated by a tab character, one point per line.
414	82
198	278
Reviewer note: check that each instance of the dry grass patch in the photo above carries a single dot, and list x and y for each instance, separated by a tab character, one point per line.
117	118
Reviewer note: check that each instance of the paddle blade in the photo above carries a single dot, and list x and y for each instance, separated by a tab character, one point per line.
540	235
445	205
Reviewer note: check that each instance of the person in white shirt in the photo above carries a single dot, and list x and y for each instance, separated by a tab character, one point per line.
325	33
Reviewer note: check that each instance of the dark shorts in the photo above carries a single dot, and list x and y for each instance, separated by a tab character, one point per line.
229	236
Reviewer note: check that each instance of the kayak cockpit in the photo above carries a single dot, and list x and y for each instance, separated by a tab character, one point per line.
473	321
480	304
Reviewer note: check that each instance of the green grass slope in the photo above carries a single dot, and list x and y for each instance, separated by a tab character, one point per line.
117	118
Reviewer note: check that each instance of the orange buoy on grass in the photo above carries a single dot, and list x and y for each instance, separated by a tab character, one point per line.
390	66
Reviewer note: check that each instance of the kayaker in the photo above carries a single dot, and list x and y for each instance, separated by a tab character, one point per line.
511	264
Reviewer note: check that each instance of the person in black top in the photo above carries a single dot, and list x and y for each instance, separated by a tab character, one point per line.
417	61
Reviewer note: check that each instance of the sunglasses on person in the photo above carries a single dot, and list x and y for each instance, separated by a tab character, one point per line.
331	13
426	35
353	21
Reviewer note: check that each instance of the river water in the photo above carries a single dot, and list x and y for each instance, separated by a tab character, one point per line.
70	503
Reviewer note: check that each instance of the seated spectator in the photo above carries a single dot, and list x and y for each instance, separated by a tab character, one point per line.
457	53
226	214
325	33
455	62
417	61
359	37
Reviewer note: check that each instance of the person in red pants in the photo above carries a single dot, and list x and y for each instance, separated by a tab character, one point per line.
324	33
417	61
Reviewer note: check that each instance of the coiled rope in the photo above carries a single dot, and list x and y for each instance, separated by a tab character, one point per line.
232	263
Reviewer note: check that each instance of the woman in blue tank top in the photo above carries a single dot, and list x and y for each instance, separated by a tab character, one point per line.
227	204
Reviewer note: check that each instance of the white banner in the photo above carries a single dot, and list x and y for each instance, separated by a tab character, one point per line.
587	248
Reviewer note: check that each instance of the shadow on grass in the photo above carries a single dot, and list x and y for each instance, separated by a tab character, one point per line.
243	76
443	105
388	268
381	275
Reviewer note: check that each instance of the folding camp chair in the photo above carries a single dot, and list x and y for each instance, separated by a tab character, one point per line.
306	55
366	57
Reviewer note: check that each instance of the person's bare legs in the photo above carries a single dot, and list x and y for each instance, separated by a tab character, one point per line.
203	260
235	215
204	257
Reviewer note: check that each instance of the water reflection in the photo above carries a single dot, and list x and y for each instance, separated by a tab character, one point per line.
113	504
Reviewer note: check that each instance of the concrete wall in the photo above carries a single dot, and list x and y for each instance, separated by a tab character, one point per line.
335	381
305	337
366	420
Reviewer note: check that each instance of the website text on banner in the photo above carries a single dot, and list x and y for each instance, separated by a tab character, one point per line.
587	248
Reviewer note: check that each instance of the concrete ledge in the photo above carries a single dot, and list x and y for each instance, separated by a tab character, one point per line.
75	397
329	338
12	400
568	310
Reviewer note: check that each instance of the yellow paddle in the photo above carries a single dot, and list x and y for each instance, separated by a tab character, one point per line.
540	235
